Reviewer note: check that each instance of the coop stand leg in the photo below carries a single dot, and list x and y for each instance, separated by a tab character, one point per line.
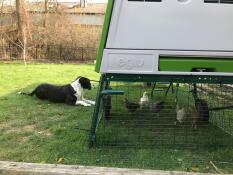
152	91
177	88
194	91
168	88
96	113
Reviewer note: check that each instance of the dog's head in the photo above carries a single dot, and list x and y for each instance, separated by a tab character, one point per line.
84	82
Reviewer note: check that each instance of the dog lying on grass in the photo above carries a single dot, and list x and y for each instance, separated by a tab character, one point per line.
71	94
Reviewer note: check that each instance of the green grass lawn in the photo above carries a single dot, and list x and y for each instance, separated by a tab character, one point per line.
32	130
38	131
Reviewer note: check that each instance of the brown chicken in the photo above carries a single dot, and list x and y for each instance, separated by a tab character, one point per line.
194	117
131	106
157	106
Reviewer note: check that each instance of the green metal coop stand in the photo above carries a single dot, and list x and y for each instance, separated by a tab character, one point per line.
106	78
164	41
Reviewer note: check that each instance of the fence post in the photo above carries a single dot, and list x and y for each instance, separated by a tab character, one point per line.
47	52
10	50
36	52
60	51
82	53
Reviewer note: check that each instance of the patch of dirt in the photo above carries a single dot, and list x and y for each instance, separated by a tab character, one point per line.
4	126
45	133
24	139
27	128
57	117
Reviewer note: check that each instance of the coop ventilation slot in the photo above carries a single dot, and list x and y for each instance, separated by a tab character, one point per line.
146	0
193	64
219	1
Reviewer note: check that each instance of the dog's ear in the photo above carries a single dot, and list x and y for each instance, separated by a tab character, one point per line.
85	83
78	77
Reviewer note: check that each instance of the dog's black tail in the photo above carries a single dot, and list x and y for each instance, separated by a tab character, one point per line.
29	94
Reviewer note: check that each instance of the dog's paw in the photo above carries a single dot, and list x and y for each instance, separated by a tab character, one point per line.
92	102
87	105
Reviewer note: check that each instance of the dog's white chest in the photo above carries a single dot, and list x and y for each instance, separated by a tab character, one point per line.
79	94
78	89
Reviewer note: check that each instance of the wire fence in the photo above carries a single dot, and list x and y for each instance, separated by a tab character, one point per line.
174	120
164	125
49	52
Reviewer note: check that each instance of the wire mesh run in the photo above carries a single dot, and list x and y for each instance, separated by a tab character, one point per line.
174	120
164	121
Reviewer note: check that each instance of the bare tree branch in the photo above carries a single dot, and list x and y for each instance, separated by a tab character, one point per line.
12	42
2	5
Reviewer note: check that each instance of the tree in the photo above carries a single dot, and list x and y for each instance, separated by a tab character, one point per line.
45	12
23	27
18	5
83	3
1	3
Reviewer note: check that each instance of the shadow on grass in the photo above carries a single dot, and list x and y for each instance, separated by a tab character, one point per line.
33	130
155	141
39	131
158	143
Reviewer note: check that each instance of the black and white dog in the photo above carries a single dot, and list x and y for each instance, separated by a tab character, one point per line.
71	94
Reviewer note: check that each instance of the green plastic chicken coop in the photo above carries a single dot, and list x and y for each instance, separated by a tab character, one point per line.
184	42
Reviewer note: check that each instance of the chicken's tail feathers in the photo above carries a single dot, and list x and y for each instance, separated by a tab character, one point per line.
145	94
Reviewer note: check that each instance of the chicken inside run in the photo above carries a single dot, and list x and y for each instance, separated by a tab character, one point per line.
167	115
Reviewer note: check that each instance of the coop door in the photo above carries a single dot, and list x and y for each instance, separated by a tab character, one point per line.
195	64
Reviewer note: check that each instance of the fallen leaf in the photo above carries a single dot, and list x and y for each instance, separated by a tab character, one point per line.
195	169
60	160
